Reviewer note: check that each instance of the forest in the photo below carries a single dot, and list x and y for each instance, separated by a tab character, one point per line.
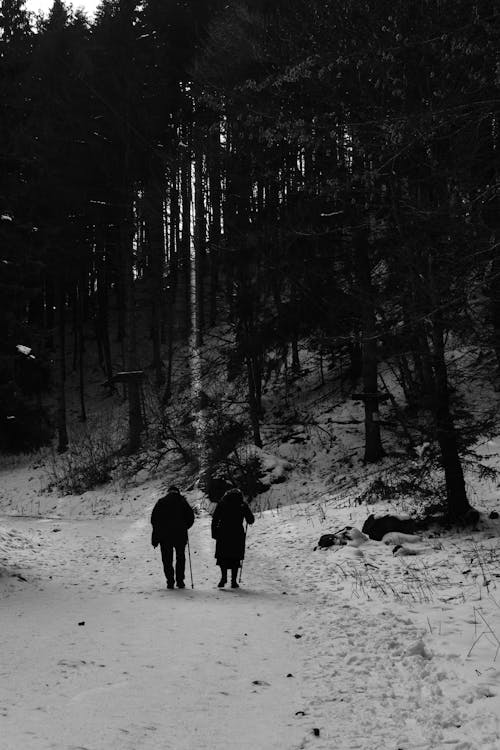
286	175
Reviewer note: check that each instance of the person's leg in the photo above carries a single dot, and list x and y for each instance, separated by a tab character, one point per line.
180	564
234	578
223	577
167	556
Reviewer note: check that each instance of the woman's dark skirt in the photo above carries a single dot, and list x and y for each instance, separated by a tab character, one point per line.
228	562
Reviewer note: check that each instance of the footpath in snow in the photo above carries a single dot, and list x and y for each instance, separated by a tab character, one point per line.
98	655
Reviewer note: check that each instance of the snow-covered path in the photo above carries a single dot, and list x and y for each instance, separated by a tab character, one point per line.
101	656
96	654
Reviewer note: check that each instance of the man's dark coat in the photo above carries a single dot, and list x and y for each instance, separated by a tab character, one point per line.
227	526
172	516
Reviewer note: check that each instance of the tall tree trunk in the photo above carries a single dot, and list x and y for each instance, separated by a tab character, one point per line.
81	346
73	295
153	209
230	218
185	259
60	360
456	495
295	328
215	228
369	350
174	228
102	317
355	360
167	393
495	307
115	246
199	239
457	501
295	354
49	307
254	385
133	384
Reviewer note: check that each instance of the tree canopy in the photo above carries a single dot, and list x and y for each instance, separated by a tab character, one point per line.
327	172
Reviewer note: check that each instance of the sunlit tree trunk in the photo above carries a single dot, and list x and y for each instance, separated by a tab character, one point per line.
215	226
185	250
199	239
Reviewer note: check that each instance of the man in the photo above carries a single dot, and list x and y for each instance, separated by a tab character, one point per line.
171	518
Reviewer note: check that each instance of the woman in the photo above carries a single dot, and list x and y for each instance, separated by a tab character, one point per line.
229	534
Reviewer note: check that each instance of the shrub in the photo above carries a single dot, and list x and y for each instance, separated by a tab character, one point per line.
418	487
241	469
88	463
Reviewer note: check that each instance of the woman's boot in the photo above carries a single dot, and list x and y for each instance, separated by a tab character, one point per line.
234	576
223	578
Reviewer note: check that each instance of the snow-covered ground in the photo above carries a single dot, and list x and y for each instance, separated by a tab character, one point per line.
346	647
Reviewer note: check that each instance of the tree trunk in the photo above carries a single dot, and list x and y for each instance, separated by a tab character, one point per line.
199	239
495	307
167	392
356	360
81	346
373	443
101	317
74	296
133	389
174	229
215	229
295	354
115	245
456	496
253	377
60	360
369	352
185	259
153	209
49	307
295	329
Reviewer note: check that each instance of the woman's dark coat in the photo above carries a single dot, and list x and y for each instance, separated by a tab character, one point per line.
172	516
227	527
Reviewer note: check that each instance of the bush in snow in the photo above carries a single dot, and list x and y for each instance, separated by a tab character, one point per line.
247	467
418	488
237	470
87	464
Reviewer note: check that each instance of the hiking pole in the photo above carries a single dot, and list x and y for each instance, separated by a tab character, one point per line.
245	538
190	566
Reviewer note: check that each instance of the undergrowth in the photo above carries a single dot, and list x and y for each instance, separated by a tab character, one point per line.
89	463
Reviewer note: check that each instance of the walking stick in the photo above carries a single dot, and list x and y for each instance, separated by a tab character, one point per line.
190	566
241	569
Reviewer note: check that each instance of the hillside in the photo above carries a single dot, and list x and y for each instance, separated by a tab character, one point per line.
405	644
